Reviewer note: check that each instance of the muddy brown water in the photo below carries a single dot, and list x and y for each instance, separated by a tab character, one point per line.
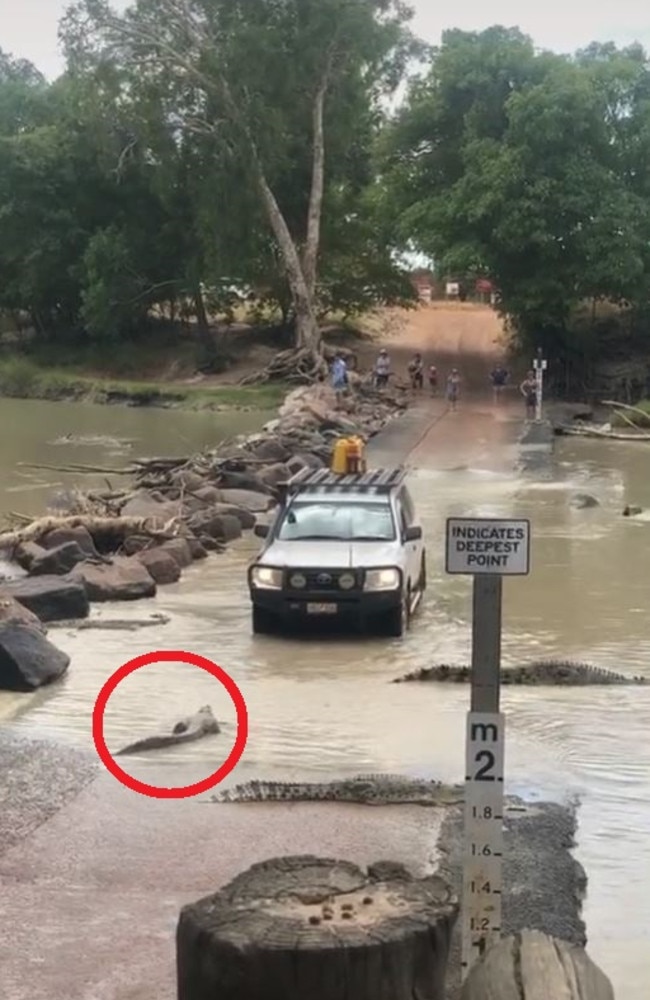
319	709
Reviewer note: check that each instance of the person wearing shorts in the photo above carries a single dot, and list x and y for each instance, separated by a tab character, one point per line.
382	369
416	372
339	374
499	379
453	388
528	389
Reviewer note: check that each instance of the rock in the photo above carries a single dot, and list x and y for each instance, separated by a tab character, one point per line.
59	536
58	561
144	505
27	659
26	553
208	495
580	501
631	511
179	549
273	475
310	460
161	566
245	517
135	543
250	500
271	451
197	549
193	727
188	480
16	614
248	481
211	544
124	579
225	527
51	598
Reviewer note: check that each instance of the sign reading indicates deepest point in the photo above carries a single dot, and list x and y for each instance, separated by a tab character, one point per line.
481	545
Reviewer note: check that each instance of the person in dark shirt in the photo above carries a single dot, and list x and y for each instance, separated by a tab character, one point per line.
416	372
499	379
528	389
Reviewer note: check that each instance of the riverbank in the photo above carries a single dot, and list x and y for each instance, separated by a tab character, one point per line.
21	378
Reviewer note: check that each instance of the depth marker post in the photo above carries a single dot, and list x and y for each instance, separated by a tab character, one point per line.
540	365
488	550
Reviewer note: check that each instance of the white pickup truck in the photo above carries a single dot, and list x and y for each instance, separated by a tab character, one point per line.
340	547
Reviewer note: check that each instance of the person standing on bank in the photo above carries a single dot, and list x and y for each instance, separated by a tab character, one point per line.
339	374
453	388
433	379
528	389
416	372
382	369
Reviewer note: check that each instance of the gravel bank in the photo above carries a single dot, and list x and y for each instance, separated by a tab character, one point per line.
543	884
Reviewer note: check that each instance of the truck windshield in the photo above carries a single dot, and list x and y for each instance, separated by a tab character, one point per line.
334	521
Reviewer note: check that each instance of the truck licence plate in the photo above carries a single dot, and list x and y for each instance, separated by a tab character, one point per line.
321	609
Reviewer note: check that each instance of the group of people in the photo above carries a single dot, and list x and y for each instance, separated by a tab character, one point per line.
499	378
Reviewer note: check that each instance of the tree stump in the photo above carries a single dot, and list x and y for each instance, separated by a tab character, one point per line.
534	966
307	928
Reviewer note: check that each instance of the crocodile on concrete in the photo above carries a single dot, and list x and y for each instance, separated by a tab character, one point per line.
540	672
362	789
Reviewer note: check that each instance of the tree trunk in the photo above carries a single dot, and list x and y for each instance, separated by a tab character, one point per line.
203	324
307	330
533	966
306	928
312	245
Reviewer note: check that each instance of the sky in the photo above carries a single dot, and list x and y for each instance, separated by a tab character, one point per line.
28	28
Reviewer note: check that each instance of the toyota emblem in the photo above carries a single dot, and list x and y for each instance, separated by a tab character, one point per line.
324	578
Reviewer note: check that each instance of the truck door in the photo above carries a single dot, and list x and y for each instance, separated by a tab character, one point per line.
412	550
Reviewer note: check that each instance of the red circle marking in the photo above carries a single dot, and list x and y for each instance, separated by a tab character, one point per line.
170	656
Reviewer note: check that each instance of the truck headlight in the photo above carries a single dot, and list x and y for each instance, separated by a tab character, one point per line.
347	581
266	578
382	579
298	581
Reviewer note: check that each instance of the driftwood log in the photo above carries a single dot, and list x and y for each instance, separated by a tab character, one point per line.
532	966
107	532
307	928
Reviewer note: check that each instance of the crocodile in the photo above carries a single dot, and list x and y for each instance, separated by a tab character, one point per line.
194	727
565	673
362	789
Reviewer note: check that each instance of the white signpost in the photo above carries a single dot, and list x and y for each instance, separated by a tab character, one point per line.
540	366
488	550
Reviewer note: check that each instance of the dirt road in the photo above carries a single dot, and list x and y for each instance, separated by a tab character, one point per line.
449	335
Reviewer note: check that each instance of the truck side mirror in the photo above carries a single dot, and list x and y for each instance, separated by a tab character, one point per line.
261	530
413	534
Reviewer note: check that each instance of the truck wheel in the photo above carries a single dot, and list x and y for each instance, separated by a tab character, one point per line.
263	621
398	619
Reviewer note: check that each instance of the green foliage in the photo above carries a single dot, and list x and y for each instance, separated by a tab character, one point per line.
531	168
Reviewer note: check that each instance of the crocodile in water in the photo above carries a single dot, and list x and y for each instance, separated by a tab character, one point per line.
540	672
363	789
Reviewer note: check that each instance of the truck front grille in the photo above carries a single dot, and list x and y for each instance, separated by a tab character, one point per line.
322	580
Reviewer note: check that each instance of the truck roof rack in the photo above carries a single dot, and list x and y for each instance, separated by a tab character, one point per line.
322	480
